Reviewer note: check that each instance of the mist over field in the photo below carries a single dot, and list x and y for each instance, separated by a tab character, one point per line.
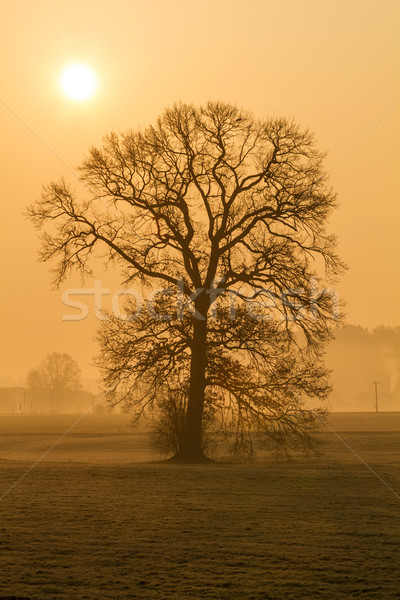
357	358
95	519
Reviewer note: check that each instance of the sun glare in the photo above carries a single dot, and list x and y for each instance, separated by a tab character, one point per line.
78	82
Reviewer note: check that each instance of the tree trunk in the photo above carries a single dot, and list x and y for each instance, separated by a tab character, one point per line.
191	442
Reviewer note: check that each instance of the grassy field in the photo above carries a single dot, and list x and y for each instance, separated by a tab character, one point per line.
96	520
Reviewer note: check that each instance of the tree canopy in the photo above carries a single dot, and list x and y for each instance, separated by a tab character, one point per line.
222	218
57	375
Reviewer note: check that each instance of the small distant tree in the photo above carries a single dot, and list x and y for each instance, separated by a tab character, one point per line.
57	376
218	204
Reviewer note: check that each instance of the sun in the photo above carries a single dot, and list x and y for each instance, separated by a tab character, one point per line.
78	82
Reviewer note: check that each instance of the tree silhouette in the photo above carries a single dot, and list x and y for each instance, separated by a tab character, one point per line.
56	376
227	214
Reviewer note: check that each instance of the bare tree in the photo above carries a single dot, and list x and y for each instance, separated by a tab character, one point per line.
57	375
221	207
257	375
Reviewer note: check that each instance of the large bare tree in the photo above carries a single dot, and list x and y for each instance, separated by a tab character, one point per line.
227	214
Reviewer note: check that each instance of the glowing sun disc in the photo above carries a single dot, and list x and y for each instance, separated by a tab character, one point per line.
78	82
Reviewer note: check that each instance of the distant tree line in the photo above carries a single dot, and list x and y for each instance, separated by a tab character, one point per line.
359	357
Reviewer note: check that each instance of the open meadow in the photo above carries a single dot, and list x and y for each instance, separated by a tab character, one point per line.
96	519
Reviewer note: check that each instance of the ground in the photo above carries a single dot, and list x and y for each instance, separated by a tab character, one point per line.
90	522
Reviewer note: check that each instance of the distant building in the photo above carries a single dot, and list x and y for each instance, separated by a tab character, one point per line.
12	400
17	400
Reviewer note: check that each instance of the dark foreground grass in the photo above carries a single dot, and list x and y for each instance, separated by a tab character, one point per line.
323	528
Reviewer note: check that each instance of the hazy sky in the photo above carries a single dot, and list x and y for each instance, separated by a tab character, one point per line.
333	66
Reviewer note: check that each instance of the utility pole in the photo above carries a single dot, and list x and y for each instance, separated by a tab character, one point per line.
376	395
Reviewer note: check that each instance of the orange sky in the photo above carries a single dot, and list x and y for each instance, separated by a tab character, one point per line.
333	66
